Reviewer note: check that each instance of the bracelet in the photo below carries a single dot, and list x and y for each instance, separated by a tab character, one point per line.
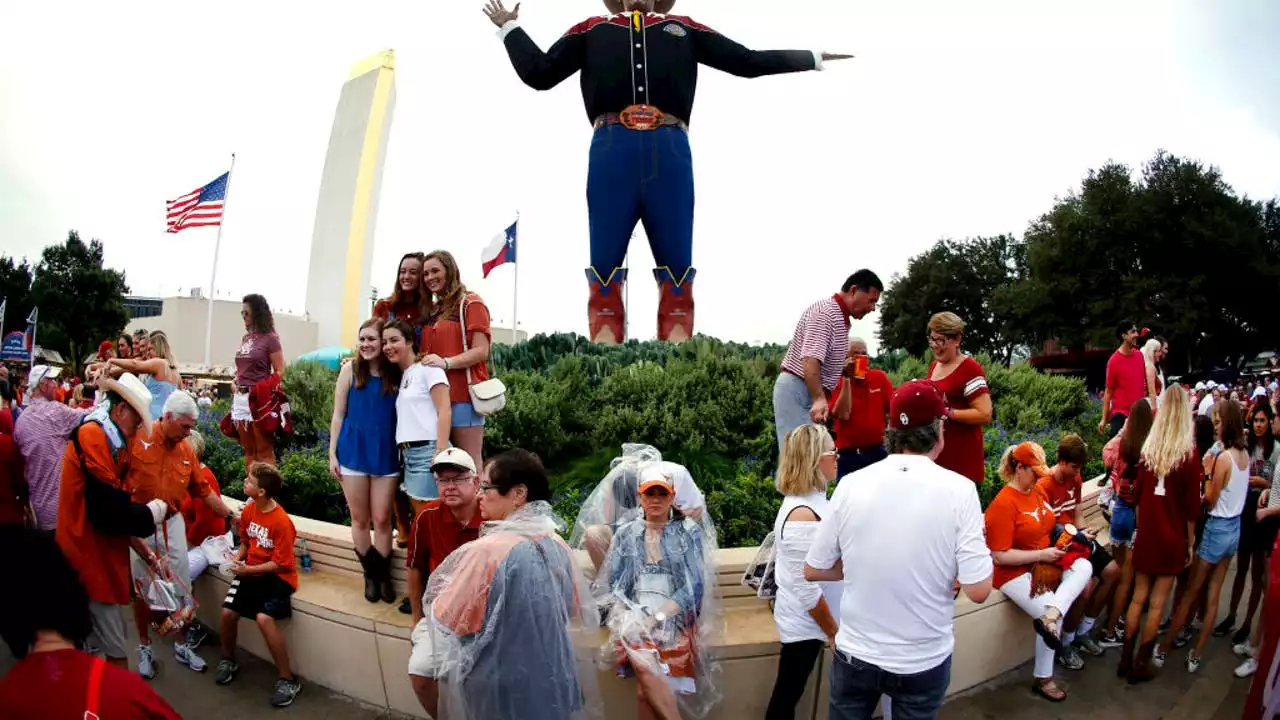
447	364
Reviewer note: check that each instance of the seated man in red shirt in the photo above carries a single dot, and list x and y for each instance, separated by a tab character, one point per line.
860	406
1062	489
441	527
42	622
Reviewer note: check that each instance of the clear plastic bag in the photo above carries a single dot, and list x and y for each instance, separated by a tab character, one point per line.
165	590
759	575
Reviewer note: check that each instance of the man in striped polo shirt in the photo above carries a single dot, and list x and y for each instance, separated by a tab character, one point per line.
815	356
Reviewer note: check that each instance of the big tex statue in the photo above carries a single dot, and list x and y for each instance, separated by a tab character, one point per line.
639	70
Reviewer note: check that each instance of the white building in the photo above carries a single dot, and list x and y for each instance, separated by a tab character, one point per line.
183	320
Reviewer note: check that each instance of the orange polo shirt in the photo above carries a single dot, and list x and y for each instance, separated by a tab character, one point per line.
158	469
102	561
868	412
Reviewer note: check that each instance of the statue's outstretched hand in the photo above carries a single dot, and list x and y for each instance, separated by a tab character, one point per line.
499	14
825	56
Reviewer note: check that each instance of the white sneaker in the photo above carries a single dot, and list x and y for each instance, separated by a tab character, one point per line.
1243	649
185	655
146	662
1247	668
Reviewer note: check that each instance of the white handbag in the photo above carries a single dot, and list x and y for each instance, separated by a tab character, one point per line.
487	396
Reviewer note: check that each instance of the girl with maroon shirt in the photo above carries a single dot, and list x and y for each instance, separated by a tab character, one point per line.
960	380
258	357
42	623
1225	497
1166	489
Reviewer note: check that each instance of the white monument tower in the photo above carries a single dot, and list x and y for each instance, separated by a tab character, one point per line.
347	213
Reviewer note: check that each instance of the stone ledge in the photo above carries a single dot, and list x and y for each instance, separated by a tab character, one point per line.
361	649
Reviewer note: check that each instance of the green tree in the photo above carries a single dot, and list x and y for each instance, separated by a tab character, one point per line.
1176	250
15	289
81	301
968	278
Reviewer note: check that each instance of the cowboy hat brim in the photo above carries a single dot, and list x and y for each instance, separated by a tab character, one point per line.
662	7
131	395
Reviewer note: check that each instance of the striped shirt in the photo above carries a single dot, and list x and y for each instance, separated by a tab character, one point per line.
821	334
41	434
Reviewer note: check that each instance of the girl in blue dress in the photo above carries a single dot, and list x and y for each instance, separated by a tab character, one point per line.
363	456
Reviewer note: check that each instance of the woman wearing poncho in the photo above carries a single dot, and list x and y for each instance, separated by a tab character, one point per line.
664	617
508	610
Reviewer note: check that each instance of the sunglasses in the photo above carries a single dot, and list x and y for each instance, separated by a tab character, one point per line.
656	493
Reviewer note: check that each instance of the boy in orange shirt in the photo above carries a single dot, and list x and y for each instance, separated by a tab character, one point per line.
1062	488
266	575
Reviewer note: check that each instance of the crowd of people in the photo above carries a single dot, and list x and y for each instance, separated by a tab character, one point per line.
502	605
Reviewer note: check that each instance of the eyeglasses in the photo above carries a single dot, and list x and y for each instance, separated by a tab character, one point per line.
656	493
938	339
486	487
460	480
829	453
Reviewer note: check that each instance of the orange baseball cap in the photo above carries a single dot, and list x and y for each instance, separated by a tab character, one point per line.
653	476
1032	455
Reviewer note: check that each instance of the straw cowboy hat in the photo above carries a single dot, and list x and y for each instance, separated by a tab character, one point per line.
661	7
129	387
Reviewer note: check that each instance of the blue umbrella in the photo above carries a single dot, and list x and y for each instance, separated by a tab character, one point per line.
330	357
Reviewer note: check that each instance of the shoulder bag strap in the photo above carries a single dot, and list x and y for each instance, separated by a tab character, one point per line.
462	320
94	689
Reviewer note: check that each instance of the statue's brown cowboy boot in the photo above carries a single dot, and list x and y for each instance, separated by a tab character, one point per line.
675	305
606	315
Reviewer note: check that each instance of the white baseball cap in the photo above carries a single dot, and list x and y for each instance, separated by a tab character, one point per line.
1200	385
454	457
40	372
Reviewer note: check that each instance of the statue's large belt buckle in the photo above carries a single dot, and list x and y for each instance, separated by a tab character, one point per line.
641	117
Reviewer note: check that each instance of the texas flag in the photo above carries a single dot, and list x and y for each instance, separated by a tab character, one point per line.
501	250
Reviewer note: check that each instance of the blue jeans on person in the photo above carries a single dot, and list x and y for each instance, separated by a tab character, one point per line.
419	481
856	687
640	176
1221	539
465	416
1123	522
854	459
791	404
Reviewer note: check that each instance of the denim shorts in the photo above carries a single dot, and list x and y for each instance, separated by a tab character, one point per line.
419	482
1221	538
465	416
1123	522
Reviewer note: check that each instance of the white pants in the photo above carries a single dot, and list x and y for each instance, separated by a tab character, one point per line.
197	562
1074	580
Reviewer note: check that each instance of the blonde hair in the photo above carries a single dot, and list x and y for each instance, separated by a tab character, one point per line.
946	323
1149	351
196	441
160	345
1172	436
1009	465
798	471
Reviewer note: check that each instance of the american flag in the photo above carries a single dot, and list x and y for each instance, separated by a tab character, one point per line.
201	207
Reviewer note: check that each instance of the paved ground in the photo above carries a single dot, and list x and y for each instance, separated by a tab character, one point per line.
1095	692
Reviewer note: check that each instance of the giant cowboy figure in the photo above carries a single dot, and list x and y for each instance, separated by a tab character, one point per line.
639	69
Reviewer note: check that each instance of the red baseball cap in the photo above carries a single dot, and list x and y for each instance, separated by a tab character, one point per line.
916	404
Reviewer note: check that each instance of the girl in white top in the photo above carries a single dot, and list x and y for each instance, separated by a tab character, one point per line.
805	611
423	413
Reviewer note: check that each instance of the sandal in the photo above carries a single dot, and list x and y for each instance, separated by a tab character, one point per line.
1047	629
1049	690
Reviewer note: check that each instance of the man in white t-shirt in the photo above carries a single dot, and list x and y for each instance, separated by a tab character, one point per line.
905	532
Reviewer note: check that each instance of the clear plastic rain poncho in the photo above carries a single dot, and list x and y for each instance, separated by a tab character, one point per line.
656	568
512	626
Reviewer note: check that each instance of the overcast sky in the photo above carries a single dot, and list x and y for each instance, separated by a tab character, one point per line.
956	119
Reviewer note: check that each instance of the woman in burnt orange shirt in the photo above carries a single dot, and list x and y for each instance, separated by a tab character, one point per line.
442	344
1019	525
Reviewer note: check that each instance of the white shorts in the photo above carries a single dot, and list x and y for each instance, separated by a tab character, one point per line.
240	411
425	660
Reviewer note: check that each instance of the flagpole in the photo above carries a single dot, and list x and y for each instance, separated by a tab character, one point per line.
35	323
515	288
213	276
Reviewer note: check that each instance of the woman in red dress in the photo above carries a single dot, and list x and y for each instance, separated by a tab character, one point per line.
1167	491
405	302
960	380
